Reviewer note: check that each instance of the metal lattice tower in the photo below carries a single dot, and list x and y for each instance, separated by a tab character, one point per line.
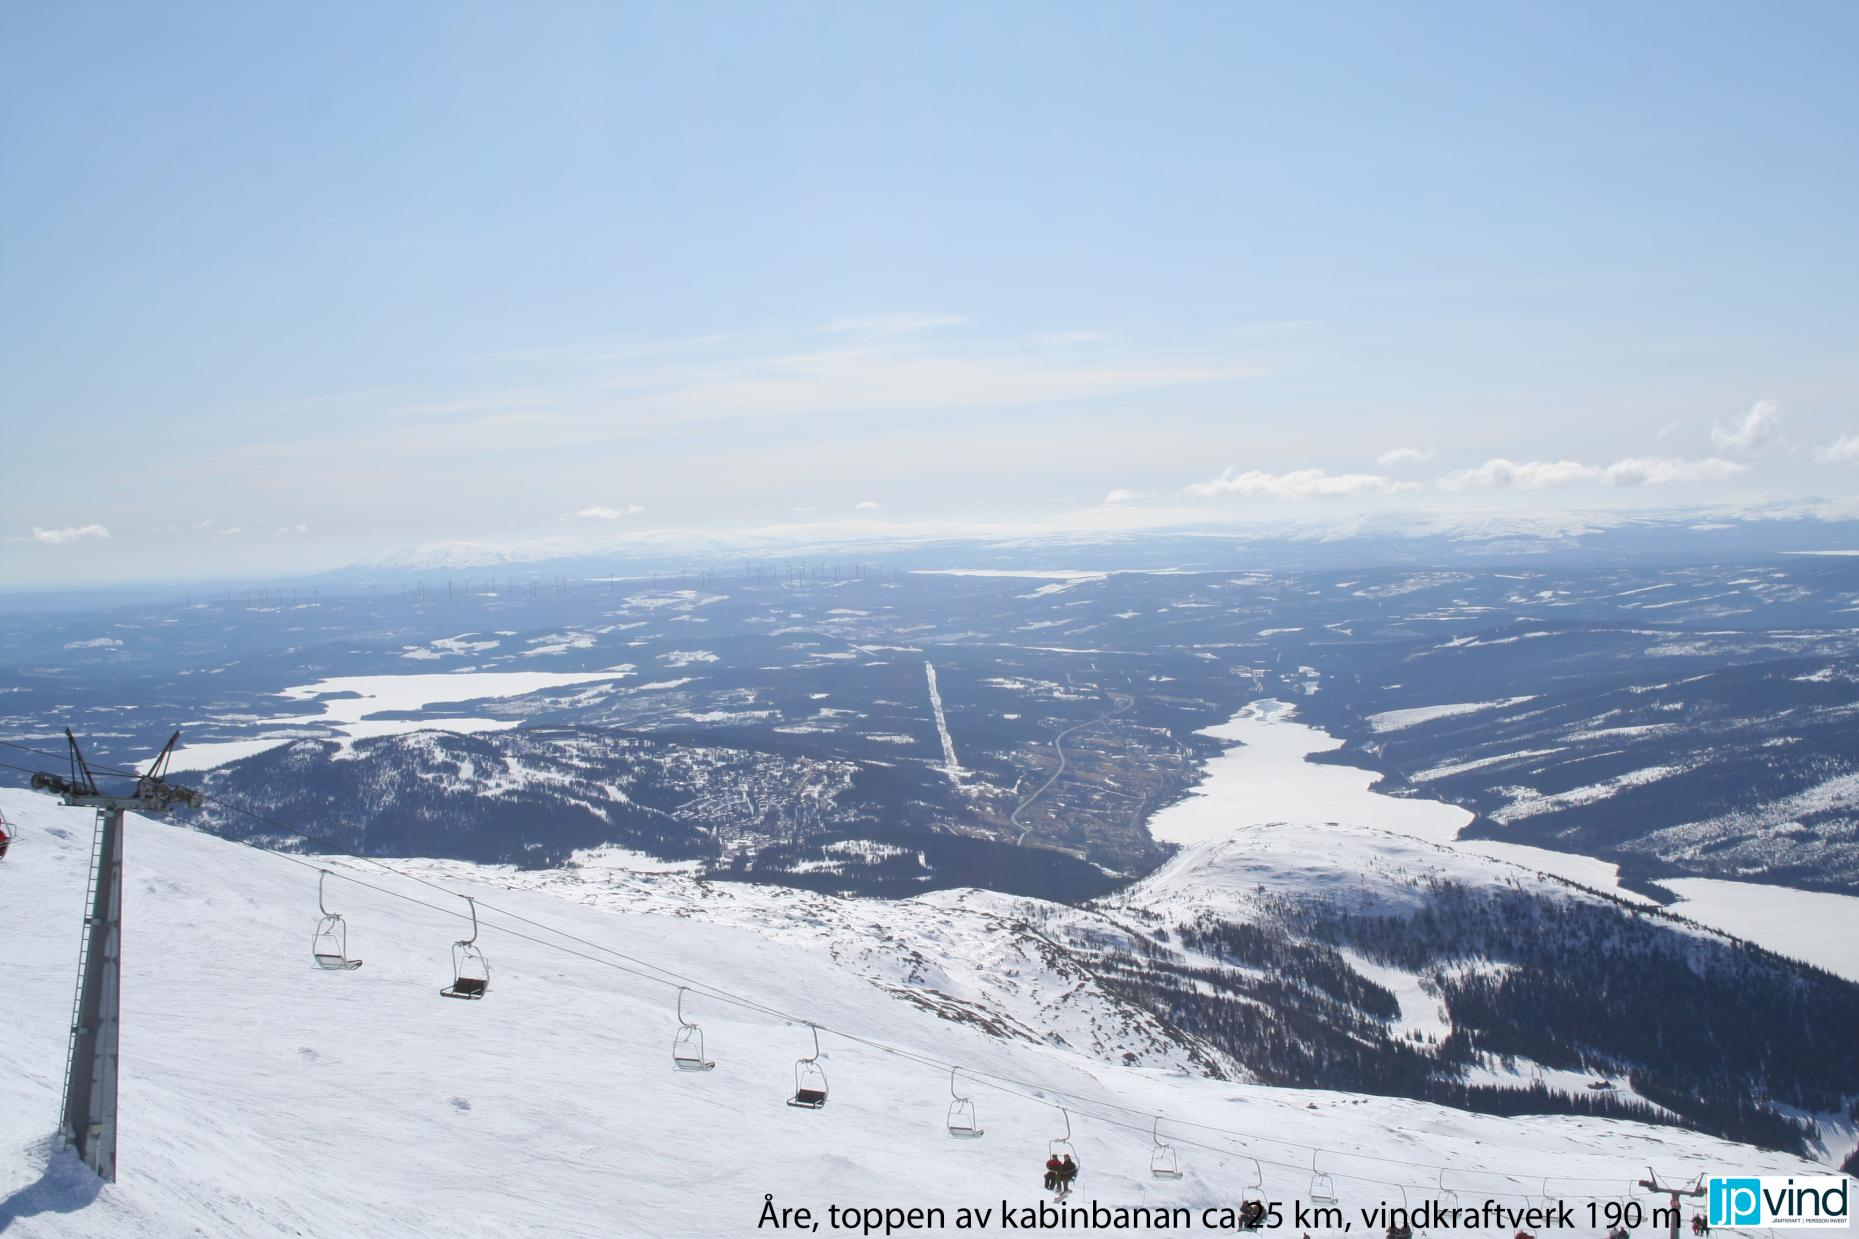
87	1117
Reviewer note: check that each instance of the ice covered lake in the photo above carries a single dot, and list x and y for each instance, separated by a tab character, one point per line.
1266	777
350	706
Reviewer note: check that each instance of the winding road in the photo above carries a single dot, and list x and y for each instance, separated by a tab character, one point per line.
1124	701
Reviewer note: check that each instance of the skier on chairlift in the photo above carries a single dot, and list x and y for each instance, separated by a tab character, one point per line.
1053	1167
1068	1170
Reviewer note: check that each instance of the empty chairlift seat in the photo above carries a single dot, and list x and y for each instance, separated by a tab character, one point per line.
471	972
810	1079
687	1044
961	1119
329	945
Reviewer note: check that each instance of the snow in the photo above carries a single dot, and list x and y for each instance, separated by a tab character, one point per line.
950	765
1269	780
1528	802
1814	926
382	694
1399	720
1266	778
352	716
261	1097
218	753
1589	871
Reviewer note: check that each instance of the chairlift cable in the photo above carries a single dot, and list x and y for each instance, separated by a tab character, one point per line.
667	977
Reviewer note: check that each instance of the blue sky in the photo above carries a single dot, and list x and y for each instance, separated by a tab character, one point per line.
347	277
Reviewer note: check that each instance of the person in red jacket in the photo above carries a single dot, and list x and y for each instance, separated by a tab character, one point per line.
1053	1167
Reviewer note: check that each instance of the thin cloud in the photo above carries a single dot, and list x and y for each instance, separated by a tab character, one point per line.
283	531
1297	484
1662	470
1501	474
1404	456
892	324
1123	494
1759	427
867	505
600	512
71	533
1842	451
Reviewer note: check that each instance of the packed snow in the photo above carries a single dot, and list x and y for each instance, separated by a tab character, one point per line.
263	1097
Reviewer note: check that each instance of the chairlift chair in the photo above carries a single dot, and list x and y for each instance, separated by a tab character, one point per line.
961	1121
810	1079
471	972
329	945
1062	1147
687	1044
1164	1162
1253	1192
1322	1186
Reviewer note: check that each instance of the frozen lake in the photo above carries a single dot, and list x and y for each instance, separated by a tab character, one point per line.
1265	778
353	717
1818	928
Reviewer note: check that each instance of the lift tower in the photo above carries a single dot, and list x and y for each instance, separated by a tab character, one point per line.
89	1118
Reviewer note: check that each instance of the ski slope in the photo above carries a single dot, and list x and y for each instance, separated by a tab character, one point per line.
263	1097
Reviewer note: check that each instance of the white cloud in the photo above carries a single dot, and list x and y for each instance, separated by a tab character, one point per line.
286	530
95	643
599	512
1123	494
1756	429
867	505
1659	470
1669	429
1526	475
1842	451
231	531
1297	484
1405	456
1499	473
71	533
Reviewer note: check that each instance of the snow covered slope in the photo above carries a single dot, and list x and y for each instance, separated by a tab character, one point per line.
263	1097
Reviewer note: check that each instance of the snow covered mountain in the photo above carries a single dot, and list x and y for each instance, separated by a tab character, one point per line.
262	1096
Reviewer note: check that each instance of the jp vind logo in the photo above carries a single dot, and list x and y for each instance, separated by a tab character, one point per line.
1824	1200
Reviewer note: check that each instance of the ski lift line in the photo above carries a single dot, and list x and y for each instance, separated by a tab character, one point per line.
660	975
333	846
27	748
998	1083
743	1001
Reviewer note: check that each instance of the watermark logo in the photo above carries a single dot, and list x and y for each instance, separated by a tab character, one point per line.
1772	1200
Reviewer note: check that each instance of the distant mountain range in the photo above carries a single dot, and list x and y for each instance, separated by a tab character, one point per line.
1110	538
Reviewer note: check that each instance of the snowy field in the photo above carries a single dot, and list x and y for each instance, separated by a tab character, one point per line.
263	1097
1265	778
1814	926
350	704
